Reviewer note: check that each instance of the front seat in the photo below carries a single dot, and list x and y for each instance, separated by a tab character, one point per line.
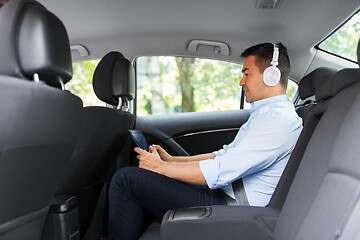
104	132
39	122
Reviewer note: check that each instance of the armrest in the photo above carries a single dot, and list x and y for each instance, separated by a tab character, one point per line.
62	221
220	222
62	204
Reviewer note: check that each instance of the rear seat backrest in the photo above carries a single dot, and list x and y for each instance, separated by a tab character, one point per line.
350	228
307	88
328	176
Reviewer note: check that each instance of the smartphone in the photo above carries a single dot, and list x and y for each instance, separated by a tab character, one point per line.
139	139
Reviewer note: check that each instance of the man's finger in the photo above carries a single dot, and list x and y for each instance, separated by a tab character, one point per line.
140	151
157	147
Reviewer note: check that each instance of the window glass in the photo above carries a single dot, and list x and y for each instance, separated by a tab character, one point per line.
81	83
343	42
168	85
292	88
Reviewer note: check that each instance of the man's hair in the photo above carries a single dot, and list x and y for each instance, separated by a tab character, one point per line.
264	53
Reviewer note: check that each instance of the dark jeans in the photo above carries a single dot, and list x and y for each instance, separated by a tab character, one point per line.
134	191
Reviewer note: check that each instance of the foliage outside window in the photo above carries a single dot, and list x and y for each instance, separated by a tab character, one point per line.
168	85
81	83
344	41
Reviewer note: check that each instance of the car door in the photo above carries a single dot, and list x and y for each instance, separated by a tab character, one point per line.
188	105
192	133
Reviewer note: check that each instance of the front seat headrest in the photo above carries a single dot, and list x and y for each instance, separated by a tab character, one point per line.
311	81
33	41
114	78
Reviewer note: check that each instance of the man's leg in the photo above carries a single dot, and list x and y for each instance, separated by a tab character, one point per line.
134	190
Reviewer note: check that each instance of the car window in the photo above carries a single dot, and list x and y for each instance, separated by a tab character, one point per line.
81	83
343	42
167	85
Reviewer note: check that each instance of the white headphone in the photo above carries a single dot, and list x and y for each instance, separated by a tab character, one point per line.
272	74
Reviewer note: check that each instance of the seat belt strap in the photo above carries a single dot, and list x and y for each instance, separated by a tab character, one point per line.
240	194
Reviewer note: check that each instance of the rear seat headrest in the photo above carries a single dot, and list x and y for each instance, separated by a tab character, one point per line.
337	82
33	40
114	78
311	81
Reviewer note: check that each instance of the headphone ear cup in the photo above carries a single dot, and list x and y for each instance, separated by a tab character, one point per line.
271	76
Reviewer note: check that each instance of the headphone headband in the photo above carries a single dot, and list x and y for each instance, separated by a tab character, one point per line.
275	59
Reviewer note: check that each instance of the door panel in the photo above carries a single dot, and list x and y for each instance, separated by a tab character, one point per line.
192	133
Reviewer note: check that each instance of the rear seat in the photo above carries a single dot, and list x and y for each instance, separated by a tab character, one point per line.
324	197
327	179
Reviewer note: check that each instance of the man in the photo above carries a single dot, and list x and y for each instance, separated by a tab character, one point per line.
257	155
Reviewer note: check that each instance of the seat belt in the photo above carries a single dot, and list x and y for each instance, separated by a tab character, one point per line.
240	194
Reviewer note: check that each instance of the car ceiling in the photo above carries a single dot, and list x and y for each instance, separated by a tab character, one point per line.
165	27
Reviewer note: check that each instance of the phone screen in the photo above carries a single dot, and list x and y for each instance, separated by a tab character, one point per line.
139	139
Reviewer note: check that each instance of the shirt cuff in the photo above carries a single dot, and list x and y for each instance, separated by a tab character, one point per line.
209	169
219	152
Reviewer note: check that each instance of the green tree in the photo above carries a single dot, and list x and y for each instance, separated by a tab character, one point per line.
81	83
184	66
344	41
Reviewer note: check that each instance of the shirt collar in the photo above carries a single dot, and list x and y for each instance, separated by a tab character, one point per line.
259	104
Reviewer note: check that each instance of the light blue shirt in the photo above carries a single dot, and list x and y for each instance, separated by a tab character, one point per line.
259	152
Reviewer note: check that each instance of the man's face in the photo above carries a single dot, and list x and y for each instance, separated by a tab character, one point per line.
252	81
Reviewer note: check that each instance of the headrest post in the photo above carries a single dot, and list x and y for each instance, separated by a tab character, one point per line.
62	84
36	77
124	105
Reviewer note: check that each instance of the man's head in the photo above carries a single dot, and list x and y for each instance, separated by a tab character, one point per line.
258	58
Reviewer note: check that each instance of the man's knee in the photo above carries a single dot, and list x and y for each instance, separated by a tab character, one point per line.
125	177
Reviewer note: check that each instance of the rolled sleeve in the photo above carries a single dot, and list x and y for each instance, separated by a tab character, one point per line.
209	169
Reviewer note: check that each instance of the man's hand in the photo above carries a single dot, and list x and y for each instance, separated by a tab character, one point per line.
150	160
184	171
162	153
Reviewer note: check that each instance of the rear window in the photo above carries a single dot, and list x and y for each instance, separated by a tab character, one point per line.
343	42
